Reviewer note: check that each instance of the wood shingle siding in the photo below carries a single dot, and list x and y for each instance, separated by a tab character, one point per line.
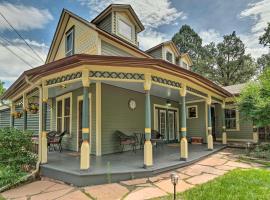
110	50
5	118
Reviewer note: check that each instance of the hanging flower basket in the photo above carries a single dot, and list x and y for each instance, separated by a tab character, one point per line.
17	115
33	108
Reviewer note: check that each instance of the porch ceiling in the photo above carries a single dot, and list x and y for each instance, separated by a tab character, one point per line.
156	90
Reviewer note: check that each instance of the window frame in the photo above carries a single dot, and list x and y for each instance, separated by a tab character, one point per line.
63	116
119	18
70	32
171	57
237	125
196	109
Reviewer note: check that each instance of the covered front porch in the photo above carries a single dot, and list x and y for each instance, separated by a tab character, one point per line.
116	167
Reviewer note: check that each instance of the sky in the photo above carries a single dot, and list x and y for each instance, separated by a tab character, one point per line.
36	21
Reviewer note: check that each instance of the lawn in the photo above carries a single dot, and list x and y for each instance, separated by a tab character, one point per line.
236	185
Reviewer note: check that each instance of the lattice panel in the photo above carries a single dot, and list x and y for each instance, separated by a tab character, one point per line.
116	75
64	78
166	81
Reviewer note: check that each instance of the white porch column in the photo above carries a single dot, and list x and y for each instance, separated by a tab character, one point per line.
224	134
43	113
209	137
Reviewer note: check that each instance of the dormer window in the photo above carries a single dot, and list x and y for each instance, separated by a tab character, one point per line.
169	56
70	42
124	29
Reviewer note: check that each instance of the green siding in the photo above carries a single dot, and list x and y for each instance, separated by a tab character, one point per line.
245	132
116	115
5	118
33	122
110	50
18	122
106	24
197	127
157	53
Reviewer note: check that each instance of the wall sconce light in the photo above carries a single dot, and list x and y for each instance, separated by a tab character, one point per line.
168	103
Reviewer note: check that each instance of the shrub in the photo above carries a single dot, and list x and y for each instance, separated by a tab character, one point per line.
15	148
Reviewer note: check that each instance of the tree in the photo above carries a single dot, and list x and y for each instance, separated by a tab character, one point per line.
229	63
264	62
265	38
2	89
188	41
254	100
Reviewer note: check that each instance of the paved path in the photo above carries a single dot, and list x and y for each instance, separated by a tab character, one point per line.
137	189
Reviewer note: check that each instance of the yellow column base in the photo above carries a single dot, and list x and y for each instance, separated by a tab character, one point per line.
148	154
183	149
224	138
210	142
85	155
255	137
44	148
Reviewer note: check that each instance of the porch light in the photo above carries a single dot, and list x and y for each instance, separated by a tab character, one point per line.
168	103
174	180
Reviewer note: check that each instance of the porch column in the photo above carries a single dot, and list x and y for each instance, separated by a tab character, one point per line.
255	134
25	104
148	151
12	110
183	142
85	148
224	134
44	146
209	137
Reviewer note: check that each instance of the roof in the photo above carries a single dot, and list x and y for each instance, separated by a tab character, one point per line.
235	89
108	10
93	26
162	44
84	59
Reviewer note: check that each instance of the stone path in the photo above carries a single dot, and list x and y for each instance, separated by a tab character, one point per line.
137	189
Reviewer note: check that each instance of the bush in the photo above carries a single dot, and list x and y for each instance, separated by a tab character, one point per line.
261	151
16	157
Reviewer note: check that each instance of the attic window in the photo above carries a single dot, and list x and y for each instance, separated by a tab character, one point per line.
124	29
169	56
70	42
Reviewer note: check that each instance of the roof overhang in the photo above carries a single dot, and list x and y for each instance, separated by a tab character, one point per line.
83	59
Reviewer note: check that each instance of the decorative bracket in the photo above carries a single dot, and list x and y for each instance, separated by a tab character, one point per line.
183	90
147	81
85	78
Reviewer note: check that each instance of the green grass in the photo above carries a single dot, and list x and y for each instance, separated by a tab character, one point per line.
236	185
1	198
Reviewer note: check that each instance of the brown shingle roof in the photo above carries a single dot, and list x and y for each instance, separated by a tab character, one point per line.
235	89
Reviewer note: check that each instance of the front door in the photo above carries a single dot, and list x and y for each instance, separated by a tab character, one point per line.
171	125
163	123
80	109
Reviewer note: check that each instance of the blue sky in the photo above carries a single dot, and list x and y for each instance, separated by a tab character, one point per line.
37	20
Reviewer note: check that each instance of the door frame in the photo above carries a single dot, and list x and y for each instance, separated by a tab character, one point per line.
167	108
80	98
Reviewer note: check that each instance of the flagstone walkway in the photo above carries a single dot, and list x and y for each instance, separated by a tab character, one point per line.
137	189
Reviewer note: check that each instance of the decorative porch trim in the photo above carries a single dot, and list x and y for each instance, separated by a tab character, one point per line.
167	82
116	75
64	78
217	100
190	89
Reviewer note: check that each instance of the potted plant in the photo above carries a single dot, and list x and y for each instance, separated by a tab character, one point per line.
33	108
17	115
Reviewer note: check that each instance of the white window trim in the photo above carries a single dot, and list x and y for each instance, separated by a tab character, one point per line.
167	51
118	17
71	31
236	116
62	98
197	114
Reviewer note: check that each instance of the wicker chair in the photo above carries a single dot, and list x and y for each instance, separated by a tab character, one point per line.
157	138
56	141
126	140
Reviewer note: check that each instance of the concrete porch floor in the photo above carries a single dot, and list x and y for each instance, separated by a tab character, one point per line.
116	167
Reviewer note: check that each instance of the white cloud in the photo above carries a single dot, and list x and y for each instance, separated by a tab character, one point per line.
259	13
24	17
210	35
152	13
11	66
150	38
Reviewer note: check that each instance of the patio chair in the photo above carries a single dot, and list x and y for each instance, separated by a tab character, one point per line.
126	140
50	139
157	137
56	141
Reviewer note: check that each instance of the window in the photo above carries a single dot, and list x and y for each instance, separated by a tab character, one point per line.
169	56
70	42
124	29
192	112
63	114
185	65
231	119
